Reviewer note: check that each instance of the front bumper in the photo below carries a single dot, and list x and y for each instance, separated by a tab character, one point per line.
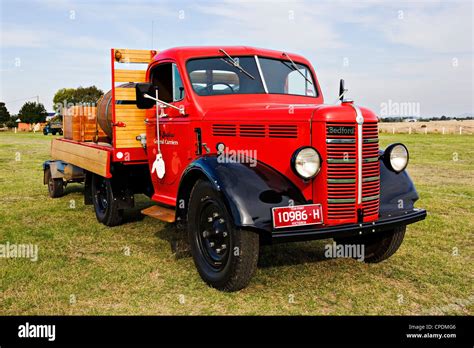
384	223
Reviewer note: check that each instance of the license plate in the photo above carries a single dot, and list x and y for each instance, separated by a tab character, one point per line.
298	215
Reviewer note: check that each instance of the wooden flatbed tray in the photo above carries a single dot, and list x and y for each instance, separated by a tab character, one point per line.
89	156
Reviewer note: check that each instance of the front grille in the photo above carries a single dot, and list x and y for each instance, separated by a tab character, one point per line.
370	169
341	146
341	173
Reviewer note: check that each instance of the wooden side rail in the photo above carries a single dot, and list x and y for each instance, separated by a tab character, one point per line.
90	158
128	115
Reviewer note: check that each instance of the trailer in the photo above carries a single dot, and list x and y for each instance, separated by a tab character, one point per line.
236	146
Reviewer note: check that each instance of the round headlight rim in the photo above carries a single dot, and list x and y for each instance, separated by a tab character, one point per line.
293	162
387	153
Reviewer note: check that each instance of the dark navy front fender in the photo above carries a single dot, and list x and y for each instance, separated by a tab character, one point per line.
250	192
397	191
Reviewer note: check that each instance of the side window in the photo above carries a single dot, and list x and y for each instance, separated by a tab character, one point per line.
178	88
161	78
168	81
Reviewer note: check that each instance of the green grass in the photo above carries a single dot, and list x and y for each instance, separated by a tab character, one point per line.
80	257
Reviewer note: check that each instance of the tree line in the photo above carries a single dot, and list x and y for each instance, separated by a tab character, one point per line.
33	112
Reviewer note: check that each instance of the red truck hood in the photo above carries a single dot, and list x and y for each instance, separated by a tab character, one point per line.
248	118
282	112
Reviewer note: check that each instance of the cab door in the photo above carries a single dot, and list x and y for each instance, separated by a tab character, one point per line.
175	133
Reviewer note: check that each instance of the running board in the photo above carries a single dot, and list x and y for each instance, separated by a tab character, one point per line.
160	213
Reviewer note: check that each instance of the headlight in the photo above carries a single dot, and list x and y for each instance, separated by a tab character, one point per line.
396	157
306	162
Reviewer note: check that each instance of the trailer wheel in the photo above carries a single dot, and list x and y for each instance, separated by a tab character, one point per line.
105	203
225	257
55	186
378	248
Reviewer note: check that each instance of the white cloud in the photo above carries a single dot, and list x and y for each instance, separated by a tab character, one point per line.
271	24
446	29
15	37
24	38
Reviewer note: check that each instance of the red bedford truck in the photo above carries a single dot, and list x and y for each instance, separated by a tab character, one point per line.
236	145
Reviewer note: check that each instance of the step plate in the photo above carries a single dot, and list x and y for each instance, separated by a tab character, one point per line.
160	213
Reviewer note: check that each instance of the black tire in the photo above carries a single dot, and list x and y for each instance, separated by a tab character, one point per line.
105	203
228	268
378	247
53	132
60	132
55	186
45	132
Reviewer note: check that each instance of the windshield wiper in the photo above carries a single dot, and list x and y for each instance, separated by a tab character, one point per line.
295	67
235	64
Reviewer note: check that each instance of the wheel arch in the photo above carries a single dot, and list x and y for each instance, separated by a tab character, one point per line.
248	192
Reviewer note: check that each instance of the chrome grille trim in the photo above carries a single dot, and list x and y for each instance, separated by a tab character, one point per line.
340	141
360	122
341	200
372	178
371	198
341	160
341	181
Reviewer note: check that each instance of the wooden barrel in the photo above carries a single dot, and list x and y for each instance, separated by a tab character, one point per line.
104	113
104	109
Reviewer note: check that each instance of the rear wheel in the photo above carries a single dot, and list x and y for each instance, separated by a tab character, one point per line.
55	186
105	203
225	257
378	247
54	132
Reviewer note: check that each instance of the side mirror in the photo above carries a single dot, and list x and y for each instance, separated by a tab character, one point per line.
141	89
342	90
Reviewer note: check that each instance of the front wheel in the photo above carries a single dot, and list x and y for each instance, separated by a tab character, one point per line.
105	202
378	247
225	257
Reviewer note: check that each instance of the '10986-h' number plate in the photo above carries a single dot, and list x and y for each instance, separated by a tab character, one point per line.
298	215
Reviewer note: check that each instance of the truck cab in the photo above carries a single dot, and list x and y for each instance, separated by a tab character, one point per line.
239	149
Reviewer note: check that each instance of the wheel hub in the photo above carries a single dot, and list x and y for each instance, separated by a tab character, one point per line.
213	234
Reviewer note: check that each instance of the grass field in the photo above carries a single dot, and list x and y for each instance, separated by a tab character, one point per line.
465	127
87	268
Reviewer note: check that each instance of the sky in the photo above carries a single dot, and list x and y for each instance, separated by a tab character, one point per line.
391	53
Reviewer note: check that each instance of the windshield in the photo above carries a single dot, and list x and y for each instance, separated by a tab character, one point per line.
216	76
281	77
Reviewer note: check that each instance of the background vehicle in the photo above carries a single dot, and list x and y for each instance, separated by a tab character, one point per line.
236	145
53	127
